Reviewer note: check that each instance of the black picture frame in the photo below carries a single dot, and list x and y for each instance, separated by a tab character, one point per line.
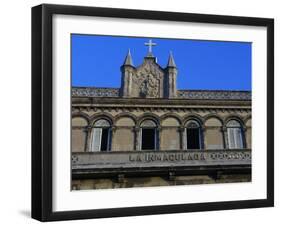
42	107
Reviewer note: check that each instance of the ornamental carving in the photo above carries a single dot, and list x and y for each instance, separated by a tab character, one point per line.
182	94
149	87
214	95
95	92
147	81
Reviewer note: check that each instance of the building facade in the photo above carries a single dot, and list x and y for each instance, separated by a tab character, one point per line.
148	133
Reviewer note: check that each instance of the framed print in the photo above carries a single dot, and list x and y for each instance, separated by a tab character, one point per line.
145	112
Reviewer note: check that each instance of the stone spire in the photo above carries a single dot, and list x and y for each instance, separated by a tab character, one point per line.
171	61
128	60
171	78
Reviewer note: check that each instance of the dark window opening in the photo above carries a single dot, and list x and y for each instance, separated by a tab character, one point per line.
193	138
148	139
104	139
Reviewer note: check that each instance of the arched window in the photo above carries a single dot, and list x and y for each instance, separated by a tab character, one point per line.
193	135
101	136
234	134
148	135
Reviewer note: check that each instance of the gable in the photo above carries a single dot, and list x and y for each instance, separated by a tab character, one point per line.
148	80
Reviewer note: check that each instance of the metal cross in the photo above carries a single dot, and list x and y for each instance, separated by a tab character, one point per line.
150	44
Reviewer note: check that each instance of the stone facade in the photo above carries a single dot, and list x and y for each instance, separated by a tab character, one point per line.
148	93
171	118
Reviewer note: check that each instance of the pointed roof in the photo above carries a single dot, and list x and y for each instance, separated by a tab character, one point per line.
171	61
128	60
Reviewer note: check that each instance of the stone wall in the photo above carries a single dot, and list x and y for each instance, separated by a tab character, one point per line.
214	138
106	183
170	126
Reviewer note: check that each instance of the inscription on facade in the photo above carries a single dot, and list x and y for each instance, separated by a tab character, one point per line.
166	157
159	159
177	157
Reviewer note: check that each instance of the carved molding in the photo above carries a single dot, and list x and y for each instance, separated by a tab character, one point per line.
217	95
95	92
181	94
148	80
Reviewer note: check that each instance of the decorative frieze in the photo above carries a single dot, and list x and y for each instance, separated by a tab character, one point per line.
214	95
94	92
181	94
158	109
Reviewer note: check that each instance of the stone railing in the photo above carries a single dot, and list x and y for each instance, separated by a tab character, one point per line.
214	95
95	92
146	159
182	94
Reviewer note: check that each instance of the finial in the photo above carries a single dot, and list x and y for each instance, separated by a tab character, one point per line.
128	60
150	44
171	61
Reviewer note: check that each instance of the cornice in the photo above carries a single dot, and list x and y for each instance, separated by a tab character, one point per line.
181	94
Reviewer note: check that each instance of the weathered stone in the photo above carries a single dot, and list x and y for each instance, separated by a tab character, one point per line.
149	92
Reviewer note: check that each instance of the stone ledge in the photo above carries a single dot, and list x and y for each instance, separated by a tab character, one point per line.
181	94
163	159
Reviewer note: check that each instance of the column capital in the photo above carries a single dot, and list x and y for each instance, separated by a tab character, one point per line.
136	129
181	129
159	128
223	128
88	128
113	129
203	128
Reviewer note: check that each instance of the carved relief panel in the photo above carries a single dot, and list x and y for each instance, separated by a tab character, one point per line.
148	81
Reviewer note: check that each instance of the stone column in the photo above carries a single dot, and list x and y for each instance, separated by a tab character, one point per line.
203	140
158	135
224	137
137	145
248	137
244	134
181	135
89	131
183	138
113	130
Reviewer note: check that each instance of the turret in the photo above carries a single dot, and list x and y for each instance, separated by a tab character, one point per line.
128	60
171	78
127	72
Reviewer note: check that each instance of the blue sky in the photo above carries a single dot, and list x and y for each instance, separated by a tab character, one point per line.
206	65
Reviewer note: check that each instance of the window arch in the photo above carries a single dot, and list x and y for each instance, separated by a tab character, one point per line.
234	134
193	135
148	135
101	136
